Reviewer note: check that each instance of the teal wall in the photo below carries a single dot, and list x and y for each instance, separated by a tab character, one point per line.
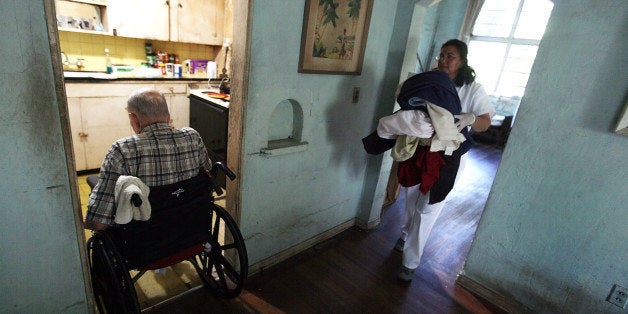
41	266
440	23
553	232
290	198
450	14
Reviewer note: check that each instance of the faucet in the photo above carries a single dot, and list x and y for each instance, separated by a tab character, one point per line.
224	88
66	61
222	81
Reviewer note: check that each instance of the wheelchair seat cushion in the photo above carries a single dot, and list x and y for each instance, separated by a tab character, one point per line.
180	220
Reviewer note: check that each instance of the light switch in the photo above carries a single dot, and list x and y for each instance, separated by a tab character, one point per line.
356	95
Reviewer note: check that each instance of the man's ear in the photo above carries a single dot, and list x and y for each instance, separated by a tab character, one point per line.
135	122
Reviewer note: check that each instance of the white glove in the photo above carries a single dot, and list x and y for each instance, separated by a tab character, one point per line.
464	120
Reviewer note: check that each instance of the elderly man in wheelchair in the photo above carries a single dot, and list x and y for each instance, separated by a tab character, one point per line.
152	206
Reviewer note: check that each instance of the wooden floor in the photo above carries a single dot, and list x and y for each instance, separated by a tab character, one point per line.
355	272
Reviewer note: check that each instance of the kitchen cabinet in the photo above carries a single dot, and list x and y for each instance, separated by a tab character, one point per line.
191	21
198	21
178	105
98	116
88	16
148	19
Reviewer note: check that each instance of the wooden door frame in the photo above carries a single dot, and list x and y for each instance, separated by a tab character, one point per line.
64	118
240	65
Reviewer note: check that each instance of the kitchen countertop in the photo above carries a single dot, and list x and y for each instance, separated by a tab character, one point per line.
102	77
118	79
202	94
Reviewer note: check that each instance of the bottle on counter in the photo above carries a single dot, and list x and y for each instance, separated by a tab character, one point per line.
151	60
151	57
149	48
108	61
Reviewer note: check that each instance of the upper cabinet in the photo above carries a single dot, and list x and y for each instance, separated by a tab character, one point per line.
89	16
197	21
148	19
191	21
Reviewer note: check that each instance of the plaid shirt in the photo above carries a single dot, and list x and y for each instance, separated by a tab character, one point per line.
159	155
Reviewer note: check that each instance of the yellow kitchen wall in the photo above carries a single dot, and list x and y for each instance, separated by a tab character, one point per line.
125	51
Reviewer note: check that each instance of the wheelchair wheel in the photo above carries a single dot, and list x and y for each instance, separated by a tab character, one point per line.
223	265
113	288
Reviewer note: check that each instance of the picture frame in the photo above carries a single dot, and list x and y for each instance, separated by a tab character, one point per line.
622	123
333	37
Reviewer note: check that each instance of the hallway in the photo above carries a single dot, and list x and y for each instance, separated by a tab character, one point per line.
355	272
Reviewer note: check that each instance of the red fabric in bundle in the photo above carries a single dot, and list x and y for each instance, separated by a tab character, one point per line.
422	168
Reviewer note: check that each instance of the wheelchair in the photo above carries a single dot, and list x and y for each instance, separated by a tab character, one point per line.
185	224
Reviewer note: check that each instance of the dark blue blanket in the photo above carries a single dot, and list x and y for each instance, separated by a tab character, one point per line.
437	88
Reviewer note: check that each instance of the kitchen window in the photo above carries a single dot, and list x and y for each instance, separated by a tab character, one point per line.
503	46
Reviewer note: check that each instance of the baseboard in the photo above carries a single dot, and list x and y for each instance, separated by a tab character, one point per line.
296	249
506	304
368	225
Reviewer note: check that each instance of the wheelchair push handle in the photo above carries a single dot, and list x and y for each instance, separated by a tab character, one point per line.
136	200
213	172
219	165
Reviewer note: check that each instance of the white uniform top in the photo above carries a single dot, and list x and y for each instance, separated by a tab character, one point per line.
473	99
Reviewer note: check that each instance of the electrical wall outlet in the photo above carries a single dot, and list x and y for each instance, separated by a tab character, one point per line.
618	296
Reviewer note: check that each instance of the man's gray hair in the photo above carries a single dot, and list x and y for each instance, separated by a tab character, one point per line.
148	103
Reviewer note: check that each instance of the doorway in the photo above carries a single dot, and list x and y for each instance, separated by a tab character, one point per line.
517	10
79	188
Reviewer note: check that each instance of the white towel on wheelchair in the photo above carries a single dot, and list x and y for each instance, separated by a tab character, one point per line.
126	186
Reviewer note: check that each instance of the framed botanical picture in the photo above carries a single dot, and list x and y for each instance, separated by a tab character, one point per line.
334	36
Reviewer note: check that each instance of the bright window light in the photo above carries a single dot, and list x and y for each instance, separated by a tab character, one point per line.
503	46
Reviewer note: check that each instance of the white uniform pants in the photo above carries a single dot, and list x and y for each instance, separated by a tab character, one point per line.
419	220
